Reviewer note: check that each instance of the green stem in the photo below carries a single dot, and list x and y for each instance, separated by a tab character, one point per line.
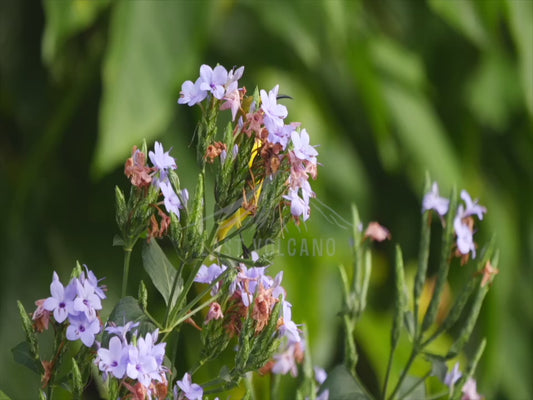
126	270
414	353
415	385
387	375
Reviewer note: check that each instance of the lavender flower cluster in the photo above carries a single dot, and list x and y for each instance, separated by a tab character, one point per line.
78	303
463	222
267	122
139	359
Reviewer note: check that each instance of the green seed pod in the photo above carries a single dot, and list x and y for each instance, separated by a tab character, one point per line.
77	382
143	295
425	239
121	209
31	337
196	222
401	298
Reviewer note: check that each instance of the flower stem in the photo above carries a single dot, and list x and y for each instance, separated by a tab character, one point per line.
126	270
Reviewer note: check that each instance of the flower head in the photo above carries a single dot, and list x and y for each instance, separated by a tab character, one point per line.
452	376
432	201
192	391
83	328
115	359
470	390
172	201
62	299
162	160
214	80
191	93
274	113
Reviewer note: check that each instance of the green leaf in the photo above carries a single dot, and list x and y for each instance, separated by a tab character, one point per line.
343	386
462	16
160	270
153	46
126	310
412	389
65	19
521	20
438	365
4	396
22	354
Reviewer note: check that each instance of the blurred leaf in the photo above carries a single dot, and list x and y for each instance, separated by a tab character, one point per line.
160	270
520	17
462	16
406	386
494	91
22	355
128	310
343	386
152	48
4	396
65	19
438	366
421	134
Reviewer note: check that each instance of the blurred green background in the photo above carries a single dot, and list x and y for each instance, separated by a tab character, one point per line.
389	89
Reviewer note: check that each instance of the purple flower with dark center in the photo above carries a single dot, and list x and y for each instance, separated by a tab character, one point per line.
192	391
432	201
82	328
86	300
114	359
274	113
62	299
214	80
191	93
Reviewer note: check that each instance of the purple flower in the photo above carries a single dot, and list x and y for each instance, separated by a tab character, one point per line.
432	201
472	207
162	160
91	278
299	207
234	75
452	376
214	80
191	93
282	135
302	149
62	299
465	236
86	300
274	113
470	390
285	362
121	331
209	275
289	328
172	201
114	359
320	375
82	328
192	391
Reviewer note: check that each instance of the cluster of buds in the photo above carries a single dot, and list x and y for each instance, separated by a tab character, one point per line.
77	303
140	359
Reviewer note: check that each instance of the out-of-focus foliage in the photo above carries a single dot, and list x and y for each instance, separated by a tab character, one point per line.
390	89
